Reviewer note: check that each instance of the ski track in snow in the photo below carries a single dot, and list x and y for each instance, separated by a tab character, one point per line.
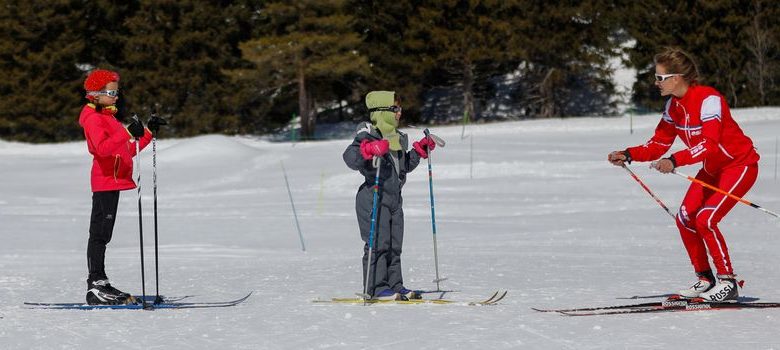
539	213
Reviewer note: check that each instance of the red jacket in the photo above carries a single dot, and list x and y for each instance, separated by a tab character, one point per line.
702	120
112	149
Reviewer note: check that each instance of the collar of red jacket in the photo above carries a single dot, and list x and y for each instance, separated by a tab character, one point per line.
107	110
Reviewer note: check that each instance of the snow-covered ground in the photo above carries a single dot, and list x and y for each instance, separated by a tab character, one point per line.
541	214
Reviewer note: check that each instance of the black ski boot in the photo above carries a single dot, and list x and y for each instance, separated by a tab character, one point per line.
100	292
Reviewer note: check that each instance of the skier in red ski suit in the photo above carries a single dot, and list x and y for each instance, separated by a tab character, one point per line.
112	146
700	117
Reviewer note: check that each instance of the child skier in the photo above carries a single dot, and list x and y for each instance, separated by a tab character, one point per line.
112	147
700	117
381	138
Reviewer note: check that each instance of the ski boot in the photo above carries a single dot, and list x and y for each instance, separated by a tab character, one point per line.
723	291
706	282
410	294
387	294
100	292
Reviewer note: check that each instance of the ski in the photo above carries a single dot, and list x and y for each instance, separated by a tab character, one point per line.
680	307
166	299
673	305
598	308
138	306
436	291
492	300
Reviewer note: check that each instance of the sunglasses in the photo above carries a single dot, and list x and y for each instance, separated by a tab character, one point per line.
663	77
394	109
109	93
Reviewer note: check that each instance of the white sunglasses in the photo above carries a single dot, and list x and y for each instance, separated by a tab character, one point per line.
662	77
109	93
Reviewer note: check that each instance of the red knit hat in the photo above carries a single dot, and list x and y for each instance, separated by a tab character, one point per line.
99	78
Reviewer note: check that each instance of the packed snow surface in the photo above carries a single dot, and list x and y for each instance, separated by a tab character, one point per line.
531	207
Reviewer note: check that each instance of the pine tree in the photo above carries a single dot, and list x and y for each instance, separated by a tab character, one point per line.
394	65
44	49
464	42
762	66
308	48
734	45
559	49
568	46
176	52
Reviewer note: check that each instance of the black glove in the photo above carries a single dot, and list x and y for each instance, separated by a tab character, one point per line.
136	128
155	123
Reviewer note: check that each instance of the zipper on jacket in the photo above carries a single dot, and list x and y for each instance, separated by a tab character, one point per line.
117	162
687	124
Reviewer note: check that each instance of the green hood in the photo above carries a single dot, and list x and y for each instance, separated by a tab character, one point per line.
384	120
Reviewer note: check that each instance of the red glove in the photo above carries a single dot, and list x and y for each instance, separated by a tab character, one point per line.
371	149
424	146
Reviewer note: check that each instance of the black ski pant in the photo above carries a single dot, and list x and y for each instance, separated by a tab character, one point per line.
101	227
388	239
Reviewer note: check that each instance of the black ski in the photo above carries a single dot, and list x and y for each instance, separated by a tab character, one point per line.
138	306
674	305
598	308
690	306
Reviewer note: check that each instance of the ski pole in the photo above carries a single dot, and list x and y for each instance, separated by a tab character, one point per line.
647	189
716	189
377	164
433	213
157	299
140	216
295	214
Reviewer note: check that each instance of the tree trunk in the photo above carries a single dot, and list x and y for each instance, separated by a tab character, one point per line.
758	44
312	120
468	89
733	89
547	93
303	104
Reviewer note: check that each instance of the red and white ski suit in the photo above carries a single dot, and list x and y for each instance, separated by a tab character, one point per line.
112	148
702	120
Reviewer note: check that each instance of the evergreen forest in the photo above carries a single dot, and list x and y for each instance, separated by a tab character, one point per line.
248	67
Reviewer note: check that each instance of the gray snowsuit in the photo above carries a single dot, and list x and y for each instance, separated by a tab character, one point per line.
389	230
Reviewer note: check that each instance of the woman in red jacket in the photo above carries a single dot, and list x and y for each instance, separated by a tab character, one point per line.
112	146
700	117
